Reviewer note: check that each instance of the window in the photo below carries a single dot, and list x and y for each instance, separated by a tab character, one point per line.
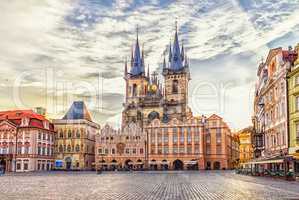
182	149
25	166
69	134
26	151
60	148
165	138
175	84
19	150
127	151
166	150
196	149
134	90
218	149
61	134
208	138
106	151
297	103
175	150
113	151
196	137
159	150
77	148
218	135
39	136
18	166
297	130
189	139
182	138
44	151
69	148
39	150
189	149
297	80
208	149
78	134
175	135
141	151
44	136
100	151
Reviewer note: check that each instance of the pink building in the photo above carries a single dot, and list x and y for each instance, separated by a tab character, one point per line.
26	141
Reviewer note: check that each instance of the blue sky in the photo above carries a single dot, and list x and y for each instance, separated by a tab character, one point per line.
53	52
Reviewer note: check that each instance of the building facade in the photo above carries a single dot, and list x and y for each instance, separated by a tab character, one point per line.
26	141
271	112
75	139
171	137
293	97
246	148
121	149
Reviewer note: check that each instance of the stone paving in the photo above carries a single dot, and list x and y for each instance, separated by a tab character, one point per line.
145	185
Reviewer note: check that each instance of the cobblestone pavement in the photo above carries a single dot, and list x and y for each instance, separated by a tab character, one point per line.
145	185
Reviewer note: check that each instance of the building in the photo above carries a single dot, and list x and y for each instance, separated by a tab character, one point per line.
246	148
293	97
26	141
170	136
116	149
75	139
270	111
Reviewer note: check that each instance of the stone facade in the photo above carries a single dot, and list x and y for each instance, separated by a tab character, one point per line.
26	141
116	149
246	149
293	97
270	110
75	139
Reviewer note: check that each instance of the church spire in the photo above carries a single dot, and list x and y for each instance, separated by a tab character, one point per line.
182	52
164	62
137	67
176	59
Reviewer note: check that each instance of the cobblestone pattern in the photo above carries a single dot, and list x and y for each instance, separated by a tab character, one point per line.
145	185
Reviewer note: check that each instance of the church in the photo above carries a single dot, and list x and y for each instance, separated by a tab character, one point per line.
169	136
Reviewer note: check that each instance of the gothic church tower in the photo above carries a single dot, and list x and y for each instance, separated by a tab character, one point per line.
176	79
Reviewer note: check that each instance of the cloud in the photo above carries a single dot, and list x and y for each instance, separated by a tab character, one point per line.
78	41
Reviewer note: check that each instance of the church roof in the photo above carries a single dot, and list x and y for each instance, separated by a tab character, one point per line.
78	110
137	65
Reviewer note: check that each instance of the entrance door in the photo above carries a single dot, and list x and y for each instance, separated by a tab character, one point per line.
178	165
216	165
68	162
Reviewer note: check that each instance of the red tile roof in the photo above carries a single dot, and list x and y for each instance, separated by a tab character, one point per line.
15	116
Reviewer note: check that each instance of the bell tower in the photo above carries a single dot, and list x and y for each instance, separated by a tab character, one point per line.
176	79
136	85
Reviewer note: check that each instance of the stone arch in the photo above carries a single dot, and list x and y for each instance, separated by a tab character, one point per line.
216	165
178	165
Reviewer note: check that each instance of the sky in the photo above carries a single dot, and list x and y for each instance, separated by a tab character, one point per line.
54	52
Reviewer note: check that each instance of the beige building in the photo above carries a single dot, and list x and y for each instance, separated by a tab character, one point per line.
120	149
75	139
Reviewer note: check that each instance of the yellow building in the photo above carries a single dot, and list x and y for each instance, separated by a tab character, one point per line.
293	98
75	139
246	149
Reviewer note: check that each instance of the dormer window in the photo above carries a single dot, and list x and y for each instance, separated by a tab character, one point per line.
25	121
46	124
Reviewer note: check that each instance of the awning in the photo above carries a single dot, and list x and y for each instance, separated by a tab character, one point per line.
153	162
191	162
164	162
267	161
139	163
113	163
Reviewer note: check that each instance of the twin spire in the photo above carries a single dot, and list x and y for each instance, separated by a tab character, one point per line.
177	58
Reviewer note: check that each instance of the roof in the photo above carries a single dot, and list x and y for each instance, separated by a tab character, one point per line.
78	110
16	116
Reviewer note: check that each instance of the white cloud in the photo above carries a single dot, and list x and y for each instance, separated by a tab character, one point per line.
82	38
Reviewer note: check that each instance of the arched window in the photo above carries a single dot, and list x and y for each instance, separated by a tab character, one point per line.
77	148
69	148
69	134
134	92
78	133
60	148
175	88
